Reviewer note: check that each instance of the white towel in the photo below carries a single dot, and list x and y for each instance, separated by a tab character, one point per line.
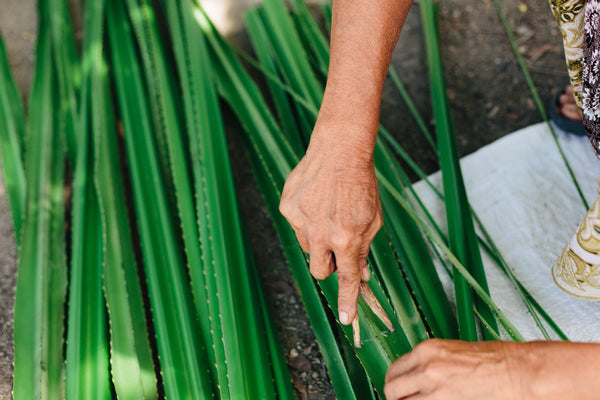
522	192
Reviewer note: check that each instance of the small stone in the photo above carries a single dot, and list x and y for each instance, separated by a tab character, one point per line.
293	353
493	112
523	8
300	363
315	375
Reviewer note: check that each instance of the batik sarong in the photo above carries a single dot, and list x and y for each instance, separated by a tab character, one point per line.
577	270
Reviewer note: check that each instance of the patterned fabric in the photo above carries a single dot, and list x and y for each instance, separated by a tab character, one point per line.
570	17
577	270
591	73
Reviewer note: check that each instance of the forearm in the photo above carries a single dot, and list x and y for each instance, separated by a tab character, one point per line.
364	34
560	370
331	198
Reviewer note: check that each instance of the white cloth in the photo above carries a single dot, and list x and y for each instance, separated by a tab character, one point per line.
522	192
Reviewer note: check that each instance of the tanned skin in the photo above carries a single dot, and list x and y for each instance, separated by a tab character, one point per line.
331	198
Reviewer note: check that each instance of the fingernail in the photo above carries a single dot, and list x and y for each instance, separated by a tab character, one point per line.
344	318
365	274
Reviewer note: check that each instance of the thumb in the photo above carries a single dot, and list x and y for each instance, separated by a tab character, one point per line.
349	277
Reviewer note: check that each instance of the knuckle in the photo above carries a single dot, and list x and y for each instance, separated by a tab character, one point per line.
434	370
298	230
321	265
389	374
349	286
374	227
290	213
319	273
389	391
393	369
343	242
284	207
348	277
428	347
433	343
378	223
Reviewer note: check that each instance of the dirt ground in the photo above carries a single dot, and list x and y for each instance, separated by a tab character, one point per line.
489	98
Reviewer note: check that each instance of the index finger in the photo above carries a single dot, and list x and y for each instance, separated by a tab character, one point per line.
349	278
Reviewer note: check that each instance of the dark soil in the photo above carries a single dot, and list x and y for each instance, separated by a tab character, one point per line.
489	98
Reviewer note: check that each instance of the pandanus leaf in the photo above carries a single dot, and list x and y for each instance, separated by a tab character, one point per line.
183	373
244	350
41	276
463	241
12	132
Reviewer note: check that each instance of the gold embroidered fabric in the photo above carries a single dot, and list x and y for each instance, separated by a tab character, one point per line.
570	17
577	270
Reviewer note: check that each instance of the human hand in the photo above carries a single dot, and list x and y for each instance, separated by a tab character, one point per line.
331	200
451	369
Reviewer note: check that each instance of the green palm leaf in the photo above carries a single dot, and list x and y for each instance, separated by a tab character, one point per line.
41	280
12	131
463	241
177	340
